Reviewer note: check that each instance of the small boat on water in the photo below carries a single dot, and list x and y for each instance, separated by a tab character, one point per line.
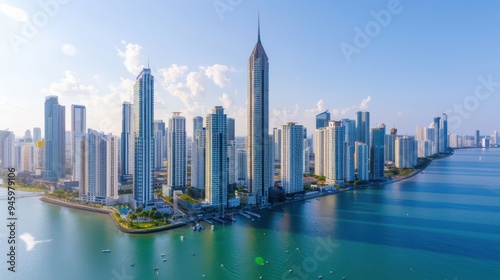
106	250
164	260
155	268
212	227
182	237
197	227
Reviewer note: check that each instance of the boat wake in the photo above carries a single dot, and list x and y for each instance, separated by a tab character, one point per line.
30	241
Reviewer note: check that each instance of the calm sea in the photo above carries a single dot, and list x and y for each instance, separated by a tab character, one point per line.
443	224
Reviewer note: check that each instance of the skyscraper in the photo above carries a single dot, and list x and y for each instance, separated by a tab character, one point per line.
7	149
160	143
177	169
39	154
334	156
320	152
363	127
389	146
322	119
361	161
478	139
241	167
198	154
230	130
78	129
231	154
143	115
258	142
101	167
377	152
405	152
127	141
292	148
349	142
437	131
443	141
277	144
55	149
216	162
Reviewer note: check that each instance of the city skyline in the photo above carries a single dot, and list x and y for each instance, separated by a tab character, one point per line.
195	80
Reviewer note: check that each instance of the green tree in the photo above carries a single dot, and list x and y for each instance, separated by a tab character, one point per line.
132	216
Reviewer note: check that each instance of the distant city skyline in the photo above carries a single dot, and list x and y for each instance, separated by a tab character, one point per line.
408	66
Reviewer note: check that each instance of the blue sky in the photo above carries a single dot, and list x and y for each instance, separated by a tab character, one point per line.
428	58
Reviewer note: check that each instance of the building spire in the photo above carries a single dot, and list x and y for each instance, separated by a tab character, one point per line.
258	26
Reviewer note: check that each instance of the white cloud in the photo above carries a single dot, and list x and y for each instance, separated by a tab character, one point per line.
365	102
226	100
68	49
172	73
70	83
14	13
190	86
133	57
216	73
320	107
280	117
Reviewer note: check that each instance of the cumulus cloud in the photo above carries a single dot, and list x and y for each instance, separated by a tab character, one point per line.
70	83
133	57
339	112
226	100
172	73
68	49
103	105
320	107
365	102
216	73
190	86
284	115
14	13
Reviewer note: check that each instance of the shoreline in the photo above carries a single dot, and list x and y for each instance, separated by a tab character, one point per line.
110	214
177	225
365	186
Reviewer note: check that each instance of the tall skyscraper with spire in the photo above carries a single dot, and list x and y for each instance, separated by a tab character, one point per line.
143	137
258	142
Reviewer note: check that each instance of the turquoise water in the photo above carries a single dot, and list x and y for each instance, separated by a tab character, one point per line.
443	224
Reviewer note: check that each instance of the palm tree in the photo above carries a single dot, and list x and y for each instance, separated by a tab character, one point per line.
143	214
132	216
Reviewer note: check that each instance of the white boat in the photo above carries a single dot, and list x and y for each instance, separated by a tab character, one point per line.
182	237
106	250
212	227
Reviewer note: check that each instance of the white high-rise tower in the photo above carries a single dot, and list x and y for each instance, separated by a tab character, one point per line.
143	137
216	160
